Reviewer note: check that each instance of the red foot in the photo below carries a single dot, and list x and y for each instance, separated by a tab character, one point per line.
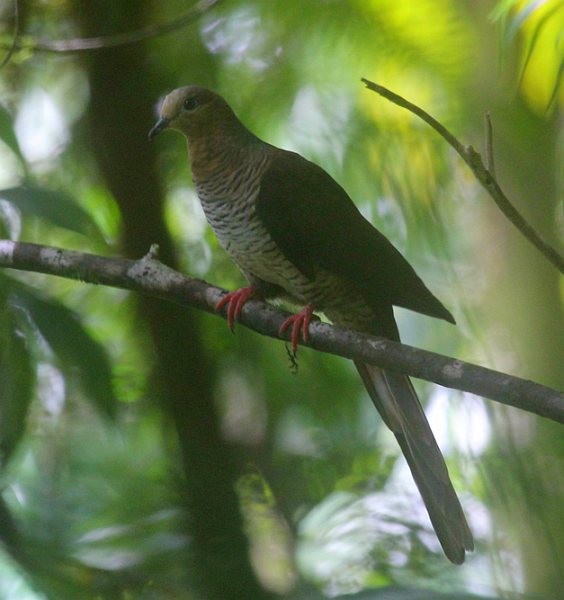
299	322
235	302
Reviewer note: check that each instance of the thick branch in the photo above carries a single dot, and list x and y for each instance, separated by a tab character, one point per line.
482	174
151	277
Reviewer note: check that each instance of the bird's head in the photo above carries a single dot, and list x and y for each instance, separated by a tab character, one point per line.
194	111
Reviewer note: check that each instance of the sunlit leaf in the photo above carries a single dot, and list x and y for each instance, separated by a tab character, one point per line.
56	207
538	28
77	350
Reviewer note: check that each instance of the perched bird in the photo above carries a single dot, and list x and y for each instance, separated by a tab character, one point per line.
296	235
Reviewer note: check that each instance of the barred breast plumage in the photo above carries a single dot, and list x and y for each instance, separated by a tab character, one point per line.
229	199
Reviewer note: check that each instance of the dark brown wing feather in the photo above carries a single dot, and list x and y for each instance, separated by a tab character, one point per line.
316	224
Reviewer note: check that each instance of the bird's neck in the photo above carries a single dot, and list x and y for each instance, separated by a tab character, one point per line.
220	151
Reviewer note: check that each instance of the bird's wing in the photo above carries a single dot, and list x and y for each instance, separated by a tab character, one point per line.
317	225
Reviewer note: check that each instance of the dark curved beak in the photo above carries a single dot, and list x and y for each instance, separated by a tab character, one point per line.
159	126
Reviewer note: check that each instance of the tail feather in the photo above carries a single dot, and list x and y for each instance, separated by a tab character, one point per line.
395	398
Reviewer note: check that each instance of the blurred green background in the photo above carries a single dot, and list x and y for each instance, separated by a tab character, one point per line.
147	453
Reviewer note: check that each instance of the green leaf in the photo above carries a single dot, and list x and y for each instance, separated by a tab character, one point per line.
56	207
8	136
77	350
17	382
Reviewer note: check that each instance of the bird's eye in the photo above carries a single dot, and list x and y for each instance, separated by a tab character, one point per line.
190	103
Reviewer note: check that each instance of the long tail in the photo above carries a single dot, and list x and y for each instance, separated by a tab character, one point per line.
395	398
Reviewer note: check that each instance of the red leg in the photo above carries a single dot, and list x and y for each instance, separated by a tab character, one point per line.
299	322
235	302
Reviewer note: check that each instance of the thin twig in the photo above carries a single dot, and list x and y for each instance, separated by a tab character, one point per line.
13	46
119	39
484	176
149	276
488	135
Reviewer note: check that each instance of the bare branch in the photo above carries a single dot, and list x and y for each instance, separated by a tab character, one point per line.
151	277
482	174
119	39
488	135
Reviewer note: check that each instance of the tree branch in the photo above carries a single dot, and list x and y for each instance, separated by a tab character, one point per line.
482	174
153	278
488	145
111	41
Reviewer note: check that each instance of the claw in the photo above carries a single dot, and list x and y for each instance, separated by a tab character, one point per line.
300	324
235	302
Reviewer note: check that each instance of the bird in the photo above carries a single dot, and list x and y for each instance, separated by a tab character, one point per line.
297	236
